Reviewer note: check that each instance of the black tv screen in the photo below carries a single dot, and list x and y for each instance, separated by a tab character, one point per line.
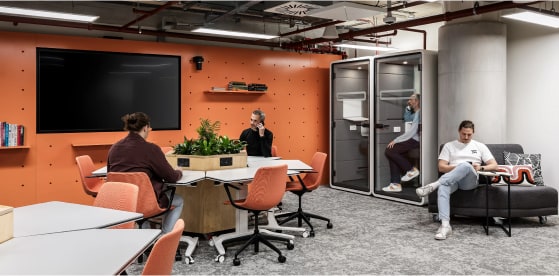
89	91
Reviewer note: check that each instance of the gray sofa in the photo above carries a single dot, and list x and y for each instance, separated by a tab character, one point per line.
538	201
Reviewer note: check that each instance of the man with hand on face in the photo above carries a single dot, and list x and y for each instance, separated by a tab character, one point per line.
258	138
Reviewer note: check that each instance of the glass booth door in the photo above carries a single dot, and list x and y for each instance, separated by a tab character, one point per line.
396	78
350	88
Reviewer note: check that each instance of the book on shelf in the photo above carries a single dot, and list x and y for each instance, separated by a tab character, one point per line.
11	135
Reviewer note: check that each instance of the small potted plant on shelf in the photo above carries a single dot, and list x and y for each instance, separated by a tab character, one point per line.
210	151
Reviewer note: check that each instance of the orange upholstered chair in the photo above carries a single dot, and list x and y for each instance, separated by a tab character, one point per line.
91	185
118	196
166	149
275	151
264	192
310	182
147	200
162	256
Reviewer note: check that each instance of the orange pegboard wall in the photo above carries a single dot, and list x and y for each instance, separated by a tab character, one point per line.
296	105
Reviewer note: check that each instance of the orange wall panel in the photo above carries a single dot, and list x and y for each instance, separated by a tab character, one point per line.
296	105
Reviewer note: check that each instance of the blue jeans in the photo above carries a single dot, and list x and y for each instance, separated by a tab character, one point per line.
171	217
463	177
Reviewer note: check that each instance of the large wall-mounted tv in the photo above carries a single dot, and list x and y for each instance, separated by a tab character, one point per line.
89	91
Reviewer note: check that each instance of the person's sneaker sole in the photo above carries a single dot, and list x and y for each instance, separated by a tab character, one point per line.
407	176
424	191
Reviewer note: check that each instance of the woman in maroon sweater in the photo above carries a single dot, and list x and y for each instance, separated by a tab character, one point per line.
134	154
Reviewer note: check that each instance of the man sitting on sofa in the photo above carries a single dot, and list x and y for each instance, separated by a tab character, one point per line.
459	160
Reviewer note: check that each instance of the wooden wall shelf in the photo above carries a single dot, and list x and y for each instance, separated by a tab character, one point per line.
243	92
14	147
82	145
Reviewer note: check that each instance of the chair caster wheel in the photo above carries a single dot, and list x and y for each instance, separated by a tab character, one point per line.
188	260
220	258
290	245
543	219
236	262
305	234
329	225
211	242
282	259
312	233
436	218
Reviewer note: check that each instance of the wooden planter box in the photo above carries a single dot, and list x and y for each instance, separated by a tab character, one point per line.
6	223
209	162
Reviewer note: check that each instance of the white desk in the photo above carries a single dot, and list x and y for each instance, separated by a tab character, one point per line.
56	216
294	165
239	175
189	177
92	252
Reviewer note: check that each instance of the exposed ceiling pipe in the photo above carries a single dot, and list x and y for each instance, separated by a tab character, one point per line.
242	8
448	16
317	26
149	13
116	29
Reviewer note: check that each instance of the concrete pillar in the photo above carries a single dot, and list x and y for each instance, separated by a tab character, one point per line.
472	79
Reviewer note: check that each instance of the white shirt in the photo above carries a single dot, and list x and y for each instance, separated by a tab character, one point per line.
456	152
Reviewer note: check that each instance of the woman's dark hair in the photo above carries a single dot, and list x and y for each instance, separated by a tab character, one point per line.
466	124
135	121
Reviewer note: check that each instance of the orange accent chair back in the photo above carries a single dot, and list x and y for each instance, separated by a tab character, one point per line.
275	151
147	200
162	256
119	196
264	192
310	182
91	185
166	149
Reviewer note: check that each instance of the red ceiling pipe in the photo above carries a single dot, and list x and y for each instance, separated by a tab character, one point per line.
312	28
149	13
448	16
116	29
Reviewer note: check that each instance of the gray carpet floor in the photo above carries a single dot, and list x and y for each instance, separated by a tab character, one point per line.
378	236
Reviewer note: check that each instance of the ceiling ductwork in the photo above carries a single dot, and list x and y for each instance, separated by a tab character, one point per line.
300	25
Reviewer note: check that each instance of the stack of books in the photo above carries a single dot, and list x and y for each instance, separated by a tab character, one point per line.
237	85
11	134
257	87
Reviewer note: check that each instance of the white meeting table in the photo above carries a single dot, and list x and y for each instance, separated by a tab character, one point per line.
55	216
91	252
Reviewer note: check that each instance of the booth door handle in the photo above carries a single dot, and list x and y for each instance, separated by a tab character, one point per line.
380	126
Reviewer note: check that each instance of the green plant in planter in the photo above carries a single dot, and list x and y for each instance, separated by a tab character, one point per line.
209	142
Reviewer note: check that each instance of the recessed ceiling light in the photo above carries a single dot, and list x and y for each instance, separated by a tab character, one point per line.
536	18
48	14
232	33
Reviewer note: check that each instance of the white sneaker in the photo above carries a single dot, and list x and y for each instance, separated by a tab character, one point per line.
411	174
425	190
443	232
393	188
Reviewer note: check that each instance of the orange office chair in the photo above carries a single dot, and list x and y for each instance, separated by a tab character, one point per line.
309	183
274	151
118	196
148	205
162	256
264	192
91	185
166	149
147	199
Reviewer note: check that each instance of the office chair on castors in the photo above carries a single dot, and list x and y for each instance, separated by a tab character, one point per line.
263	193
309	183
